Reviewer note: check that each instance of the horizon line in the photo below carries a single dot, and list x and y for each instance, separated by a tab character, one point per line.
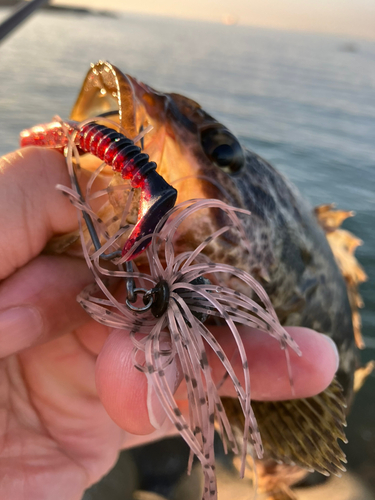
311	31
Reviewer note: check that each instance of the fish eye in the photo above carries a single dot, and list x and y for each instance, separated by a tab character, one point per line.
223	149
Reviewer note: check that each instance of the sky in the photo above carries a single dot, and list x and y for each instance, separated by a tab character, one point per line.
354	18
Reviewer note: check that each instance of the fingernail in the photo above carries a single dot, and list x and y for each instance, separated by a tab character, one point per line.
334	347
19	328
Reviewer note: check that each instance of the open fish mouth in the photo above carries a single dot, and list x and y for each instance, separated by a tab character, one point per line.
181	137
177	140
123	99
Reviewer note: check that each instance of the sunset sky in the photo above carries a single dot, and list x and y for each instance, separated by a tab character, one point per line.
349	17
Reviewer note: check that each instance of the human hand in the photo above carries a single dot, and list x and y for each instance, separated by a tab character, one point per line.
70	396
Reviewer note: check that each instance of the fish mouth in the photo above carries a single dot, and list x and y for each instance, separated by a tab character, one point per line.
174	123
173	142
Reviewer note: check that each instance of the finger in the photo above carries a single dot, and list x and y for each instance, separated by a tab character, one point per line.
311	373
123	389
37	211
38	302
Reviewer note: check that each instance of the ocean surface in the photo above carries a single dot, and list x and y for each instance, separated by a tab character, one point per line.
305	102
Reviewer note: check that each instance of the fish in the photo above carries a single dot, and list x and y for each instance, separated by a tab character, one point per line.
299	255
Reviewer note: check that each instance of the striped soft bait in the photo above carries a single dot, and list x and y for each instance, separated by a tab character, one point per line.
124	157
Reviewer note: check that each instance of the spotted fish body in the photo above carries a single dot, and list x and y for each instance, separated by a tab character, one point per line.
301	275
289	252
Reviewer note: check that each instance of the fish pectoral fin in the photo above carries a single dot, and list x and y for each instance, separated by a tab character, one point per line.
304	432
300	432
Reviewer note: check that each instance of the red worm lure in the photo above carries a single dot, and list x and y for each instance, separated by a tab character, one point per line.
123	156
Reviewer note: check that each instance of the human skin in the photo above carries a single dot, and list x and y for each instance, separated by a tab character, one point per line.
70	398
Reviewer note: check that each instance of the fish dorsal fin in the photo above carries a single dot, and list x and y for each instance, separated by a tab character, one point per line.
361	374
343	245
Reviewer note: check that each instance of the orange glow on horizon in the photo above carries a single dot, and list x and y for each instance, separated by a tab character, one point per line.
347	17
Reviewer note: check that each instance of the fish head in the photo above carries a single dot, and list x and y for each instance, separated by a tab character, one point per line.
194	152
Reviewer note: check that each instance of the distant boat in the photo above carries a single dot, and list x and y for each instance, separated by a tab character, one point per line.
229	19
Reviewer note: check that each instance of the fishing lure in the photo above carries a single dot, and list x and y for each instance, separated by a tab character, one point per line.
124	157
